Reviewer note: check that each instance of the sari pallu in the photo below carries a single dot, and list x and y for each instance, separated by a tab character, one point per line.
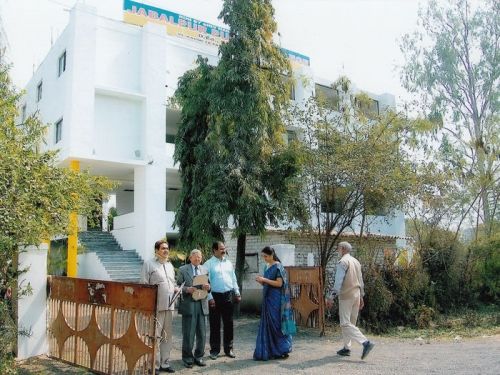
274	338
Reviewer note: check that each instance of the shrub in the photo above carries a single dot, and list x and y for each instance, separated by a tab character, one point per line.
378	300
425	316
396	295
486	269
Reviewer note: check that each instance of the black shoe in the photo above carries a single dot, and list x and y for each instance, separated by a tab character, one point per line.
213	356
168	369
367	347
230	354
200	362
187	365
344	352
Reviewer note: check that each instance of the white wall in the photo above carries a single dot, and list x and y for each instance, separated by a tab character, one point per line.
117	132
32	309
53	105
118	55
90	267
124	231
81	90
124	201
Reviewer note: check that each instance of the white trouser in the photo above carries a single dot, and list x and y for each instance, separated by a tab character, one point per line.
348	312
163	338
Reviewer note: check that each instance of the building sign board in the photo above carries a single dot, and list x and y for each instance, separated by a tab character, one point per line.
178	25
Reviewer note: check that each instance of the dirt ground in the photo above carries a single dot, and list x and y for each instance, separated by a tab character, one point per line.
317	355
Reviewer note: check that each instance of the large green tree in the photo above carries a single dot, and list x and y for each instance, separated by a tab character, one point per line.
235	166
355	168
36	199
452	64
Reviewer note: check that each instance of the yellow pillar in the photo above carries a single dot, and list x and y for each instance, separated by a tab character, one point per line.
72	268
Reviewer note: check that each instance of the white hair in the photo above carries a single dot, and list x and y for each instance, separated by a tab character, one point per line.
346	246
196	251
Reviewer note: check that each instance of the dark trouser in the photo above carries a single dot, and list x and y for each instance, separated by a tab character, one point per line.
193	325
223	309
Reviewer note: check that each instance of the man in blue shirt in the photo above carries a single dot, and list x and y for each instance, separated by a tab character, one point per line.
224	293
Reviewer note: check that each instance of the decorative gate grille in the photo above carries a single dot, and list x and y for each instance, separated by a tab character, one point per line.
105	326
306	292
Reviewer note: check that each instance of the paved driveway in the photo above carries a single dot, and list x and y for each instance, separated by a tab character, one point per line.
316	355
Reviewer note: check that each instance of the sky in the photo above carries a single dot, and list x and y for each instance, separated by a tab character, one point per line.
356	38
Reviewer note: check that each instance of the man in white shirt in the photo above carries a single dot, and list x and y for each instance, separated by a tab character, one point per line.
349	287
159	271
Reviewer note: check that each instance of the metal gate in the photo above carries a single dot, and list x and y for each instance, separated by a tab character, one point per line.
105	326
306	292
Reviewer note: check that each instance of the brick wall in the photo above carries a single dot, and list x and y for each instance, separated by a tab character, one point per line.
373	247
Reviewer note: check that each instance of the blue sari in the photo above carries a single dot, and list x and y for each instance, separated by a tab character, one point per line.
274	338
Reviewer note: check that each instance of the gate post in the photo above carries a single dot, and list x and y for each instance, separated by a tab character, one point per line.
32	308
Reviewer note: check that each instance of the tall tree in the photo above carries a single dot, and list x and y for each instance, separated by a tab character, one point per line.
354	165
452	63
196	215
247	174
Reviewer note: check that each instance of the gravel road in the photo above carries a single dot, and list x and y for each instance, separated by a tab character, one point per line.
317	355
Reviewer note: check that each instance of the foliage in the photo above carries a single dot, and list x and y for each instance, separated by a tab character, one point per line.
441	257
462	322
197	223
234	165
396	295
113	212
57	257
443	277
354	165
452	64
487	269
36	197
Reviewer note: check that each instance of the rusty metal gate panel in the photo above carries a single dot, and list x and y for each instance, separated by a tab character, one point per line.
105	326
306	293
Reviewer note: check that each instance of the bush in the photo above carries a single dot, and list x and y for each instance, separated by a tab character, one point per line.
378	300
486	269
425	316
396	295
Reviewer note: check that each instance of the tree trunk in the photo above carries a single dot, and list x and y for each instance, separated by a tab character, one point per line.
240	265
363	218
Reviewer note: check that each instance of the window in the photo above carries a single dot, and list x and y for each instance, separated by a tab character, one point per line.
62	64
333	199
59	125
369	107
39	91
375	203
327	96
290	85
173	196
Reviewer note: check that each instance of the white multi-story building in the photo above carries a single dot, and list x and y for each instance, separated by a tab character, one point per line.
104	88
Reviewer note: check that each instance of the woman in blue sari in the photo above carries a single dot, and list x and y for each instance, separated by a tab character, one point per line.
274	339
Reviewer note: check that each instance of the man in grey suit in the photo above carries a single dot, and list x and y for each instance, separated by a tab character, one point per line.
193	310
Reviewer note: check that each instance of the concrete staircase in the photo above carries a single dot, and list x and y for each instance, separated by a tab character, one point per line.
121	265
